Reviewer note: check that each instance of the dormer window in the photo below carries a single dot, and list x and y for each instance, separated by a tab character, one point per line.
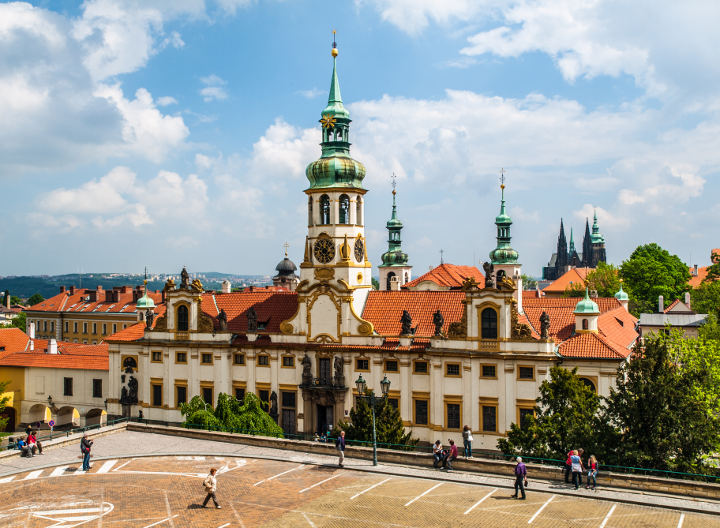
182	319
488	320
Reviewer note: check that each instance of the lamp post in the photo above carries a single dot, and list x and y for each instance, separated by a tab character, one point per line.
385	388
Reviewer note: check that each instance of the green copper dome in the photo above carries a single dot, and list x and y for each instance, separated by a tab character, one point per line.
596	237
145	302
621	295
503	253
587	305
394	256
335	168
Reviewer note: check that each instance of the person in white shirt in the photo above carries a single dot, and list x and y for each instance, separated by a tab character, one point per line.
210	484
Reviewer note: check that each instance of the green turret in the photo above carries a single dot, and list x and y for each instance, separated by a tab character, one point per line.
335	168
394	256
503	253
596	237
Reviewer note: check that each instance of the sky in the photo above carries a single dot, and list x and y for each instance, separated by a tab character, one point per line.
170	133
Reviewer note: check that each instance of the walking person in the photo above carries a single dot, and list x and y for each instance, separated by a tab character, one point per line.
467	442
340	446
577	468
520	478
210	485
568	466
85	445
592	472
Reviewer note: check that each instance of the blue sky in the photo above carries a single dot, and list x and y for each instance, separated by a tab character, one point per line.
169	133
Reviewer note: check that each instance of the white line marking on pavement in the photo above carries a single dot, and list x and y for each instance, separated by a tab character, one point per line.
318	483
471	508
309	521
239	520
541	508
278	475
123	464
7	479
161	521
34	474
680	522
106	466
223	525
169	511
371	487
423	494
59	471
607	517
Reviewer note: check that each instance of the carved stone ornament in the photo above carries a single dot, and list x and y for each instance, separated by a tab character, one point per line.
438	321
184	278
365	328
149	320
205	324
222	320
520	331
339	378
489	272
469	284
506	283
273	406
458	329
406	322
196	286
161	324
324	274
286	328
306	373
252	323
169	284
544	325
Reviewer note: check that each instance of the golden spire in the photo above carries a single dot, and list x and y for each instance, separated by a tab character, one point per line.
334	51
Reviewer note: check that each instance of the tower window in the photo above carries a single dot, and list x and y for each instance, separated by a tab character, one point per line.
324	209
182	319
584	324
358	211
488	322
344	209
389	279
310	210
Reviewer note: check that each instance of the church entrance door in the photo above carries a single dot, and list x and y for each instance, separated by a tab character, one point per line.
324	418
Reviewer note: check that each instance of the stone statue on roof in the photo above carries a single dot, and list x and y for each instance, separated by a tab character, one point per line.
406	322
489	271
184	278
149	317
544	325
273	406
169	284
306	374
438	321
252	324
222	320
339	378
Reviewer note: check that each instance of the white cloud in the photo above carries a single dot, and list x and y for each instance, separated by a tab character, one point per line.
166	101
412	16
214	89
231	6
312	93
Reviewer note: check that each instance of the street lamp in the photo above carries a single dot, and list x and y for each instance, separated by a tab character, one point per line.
385	388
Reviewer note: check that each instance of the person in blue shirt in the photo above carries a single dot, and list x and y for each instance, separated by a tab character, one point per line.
340	446
577	468
520	478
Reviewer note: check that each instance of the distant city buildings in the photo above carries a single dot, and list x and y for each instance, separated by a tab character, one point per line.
566	257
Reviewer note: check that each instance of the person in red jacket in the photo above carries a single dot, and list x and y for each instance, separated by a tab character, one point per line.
452	455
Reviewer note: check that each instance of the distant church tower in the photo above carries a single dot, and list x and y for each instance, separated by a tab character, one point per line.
504	258
395	270
593	251
598	243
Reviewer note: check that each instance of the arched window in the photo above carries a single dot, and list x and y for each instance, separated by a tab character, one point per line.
310	210
585	324
344	209
358	211
589	384
389	278
488	321
324	209
182	319
406	278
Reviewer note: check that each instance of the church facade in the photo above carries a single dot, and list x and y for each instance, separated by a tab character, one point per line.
566	257
471	356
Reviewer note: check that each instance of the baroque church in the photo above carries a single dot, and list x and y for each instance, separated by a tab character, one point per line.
566	258
452	356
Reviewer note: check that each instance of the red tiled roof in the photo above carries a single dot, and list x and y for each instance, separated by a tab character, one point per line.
696	280
70	355
136	331
560	310
450	276
384	309
79	302
572	276
271	306
618	326
592	346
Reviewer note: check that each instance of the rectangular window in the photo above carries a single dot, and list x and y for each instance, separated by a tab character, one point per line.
104	328
263	360
66	326
207	394
264	395
394	402
94	328
489	371
288	399
180	357
114	328
452	370
489	418
97	388
67	386
288	361
391	365
45	326
240	393
206	359
238	359
453	415
85	328
420	367
52	326
324	372
526	373
156	394
157	356
75	327
523	413
362	364
421	412
180	395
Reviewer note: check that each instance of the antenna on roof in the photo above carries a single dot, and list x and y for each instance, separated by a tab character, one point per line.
441	257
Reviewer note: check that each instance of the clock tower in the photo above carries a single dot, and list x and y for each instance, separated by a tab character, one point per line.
335	275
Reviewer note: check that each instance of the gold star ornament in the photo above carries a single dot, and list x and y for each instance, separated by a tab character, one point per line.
328	121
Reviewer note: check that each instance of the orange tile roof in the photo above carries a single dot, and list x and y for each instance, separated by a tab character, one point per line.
560	310
592	346
79	302
696	280
136	331
384	309
450	276
272	307
70	355
572	276
618	326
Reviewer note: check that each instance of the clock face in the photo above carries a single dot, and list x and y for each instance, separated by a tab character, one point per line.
328	121
359	250
324	250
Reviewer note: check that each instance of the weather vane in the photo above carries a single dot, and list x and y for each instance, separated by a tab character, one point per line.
502	178
394	182
286	246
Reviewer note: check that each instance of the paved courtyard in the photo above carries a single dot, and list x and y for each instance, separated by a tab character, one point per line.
166	491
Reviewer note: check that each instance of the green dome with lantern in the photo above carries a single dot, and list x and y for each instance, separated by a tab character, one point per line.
335	168
587	305
145	302
394	256
621	295
503	253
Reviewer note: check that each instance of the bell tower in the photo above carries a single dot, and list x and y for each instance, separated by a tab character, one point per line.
335	275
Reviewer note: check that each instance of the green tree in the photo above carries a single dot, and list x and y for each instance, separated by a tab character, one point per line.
4	399
528	282
375	283
16	322
604	279
706	298
231	415
566	416
660	412
652	271
710	331
388	424
713	271
34	299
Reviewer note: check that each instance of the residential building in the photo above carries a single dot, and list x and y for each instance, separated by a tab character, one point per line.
678	315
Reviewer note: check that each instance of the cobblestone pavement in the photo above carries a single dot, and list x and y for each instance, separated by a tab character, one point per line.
166	491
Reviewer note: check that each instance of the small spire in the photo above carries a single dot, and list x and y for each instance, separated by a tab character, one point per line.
334	96
286	246
441	257
394	192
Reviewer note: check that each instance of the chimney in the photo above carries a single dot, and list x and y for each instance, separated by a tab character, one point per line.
593	294
100	291
226	286
394	284
7	299
687	299
52	346
72	290
62	289
661	304
163	295
108	295
695	270
32	336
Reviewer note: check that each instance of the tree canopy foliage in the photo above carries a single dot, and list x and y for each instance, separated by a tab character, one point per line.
713	271
651	271
4	399
388	423
604	279
231	415
19	321
706	298
34	299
